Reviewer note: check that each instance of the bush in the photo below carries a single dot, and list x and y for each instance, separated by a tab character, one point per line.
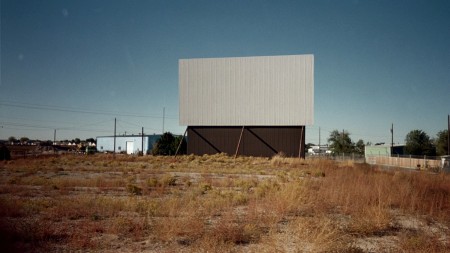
168	180
168	144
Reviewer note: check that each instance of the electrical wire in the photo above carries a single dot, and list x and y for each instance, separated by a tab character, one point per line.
76	110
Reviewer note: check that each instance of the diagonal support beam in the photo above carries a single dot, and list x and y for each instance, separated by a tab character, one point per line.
262	141
179	145
205	140
301	142
239	142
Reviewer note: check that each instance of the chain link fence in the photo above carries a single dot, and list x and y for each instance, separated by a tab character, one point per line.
429	163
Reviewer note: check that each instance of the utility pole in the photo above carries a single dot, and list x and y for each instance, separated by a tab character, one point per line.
392	139
54	141
448	135
142	141
115	122
164	116
320	151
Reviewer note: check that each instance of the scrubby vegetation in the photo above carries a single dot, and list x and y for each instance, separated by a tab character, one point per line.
169	144
219	204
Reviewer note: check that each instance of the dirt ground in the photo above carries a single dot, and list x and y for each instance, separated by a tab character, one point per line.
105	203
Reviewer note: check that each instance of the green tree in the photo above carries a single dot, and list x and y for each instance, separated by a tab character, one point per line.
309	145
359	147
46	143
166	145
441	143
183	147
24	139
340	142
418	143
91	140
12	139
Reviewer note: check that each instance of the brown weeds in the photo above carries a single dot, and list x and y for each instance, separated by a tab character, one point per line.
218	204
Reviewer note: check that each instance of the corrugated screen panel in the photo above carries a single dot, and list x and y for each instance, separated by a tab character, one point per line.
263	90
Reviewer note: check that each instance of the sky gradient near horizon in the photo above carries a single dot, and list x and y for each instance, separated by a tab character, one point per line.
74	66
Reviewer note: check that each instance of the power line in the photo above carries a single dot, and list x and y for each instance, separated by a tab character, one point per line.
38	120
24	126
356	135
129	123
75	127
75	110
134	125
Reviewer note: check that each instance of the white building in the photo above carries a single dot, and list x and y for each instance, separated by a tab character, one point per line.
319	150
130	144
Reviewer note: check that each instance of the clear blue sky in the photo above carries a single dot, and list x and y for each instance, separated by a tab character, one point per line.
76	65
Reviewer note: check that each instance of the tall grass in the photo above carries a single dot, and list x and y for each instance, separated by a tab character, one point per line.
244	204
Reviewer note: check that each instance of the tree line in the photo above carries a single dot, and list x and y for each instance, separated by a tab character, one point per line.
25	140
417	142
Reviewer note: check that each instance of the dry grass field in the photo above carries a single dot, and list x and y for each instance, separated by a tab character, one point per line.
219	204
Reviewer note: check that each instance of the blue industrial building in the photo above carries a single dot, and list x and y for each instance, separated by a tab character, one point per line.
129	144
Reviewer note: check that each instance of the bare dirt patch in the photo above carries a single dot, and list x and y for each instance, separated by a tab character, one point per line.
219	204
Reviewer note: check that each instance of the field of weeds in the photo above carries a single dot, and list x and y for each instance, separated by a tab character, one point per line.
216	203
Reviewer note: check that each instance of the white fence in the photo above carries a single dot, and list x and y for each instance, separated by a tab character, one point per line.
410	162
357	158
432	163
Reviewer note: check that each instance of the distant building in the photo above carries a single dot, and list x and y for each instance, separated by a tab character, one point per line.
255	106
130	144
384	150
319	150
